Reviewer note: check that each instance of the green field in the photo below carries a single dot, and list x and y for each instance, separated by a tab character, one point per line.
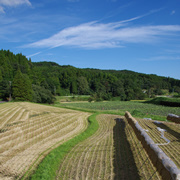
137	109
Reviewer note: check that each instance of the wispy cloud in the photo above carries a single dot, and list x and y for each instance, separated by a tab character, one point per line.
162	58
120	8
173	12
34	54
12	3
95	35
1	10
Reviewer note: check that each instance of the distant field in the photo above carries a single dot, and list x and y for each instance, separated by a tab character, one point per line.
29	131
72	98
135	108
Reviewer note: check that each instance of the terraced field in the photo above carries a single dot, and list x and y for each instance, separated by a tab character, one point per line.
29	131
113	152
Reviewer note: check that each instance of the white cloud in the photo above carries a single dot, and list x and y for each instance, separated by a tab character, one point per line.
97	35
12	3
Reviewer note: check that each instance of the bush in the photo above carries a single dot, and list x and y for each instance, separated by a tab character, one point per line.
90	99
42	95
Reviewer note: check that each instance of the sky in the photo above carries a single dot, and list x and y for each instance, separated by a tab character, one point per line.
137	35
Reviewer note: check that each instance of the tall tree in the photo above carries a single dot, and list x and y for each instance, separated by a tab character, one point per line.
4	89
74	87
83	86
21	87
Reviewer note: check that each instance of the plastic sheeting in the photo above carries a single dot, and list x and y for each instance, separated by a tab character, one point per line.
162	136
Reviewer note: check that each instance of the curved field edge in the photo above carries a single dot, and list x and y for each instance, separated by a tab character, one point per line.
50	164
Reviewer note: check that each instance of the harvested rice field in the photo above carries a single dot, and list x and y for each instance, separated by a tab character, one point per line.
170	144
30	131
113	152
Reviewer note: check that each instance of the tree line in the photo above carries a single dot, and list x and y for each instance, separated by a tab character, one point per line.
24	80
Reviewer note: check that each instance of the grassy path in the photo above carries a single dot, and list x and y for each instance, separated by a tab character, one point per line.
48	167
92	158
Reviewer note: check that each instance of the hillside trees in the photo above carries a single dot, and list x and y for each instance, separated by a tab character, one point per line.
16	78
49	78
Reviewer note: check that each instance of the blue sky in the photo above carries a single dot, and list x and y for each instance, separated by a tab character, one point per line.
137	35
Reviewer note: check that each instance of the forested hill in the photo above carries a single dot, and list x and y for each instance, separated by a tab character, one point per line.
39	81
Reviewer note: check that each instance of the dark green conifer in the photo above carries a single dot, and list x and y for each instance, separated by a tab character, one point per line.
21	87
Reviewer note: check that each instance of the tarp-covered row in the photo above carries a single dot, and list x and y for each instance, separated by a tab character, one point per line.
165	166
173	118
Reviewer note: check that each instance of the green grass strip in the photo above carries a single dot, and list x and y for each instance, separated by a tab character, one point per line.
48	167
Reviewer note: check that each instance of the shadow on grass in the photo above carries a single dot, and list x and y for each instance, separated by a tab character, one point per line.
124	164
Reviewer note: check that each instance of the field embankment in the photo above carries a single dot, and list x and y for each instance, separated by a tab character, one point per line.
171	102
29	131
173	118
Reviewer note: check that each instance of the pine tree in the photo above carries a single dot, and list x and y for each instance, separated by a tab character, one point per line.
4	89
21	87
